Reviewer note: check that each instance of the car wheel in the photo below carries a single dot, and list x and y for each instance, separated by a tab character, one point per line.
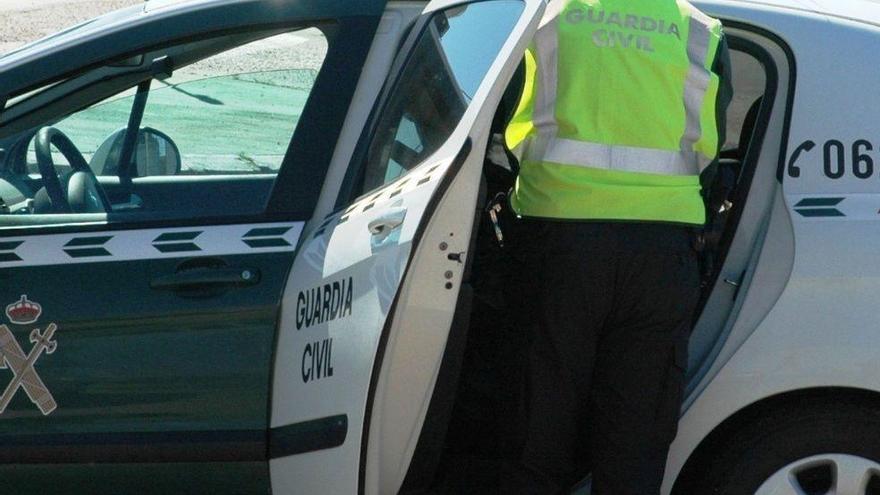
815	450
829	473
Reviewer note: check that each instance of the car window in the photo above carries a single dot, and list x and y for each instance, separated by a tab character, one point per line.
233	113
445	69
192	131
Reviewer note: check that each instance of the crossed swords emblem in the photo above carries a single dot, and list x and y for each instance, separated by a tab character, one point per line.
22	366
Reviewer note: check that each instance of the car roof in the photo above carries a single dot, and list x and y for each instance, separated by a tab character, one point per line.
865	11
129	29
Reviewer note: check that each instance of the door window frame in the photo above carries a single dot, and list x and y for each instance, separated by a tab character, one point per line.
353	182
779	64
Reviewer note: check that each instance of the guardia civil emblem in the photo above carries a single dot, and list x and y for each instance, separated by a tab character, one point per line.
12	356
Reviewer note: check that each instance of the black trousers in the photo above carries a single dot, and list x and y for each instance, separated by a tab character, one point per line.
613	308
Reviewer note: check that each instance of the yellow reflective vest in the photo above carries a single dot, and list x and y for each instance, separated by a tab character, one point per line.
618	112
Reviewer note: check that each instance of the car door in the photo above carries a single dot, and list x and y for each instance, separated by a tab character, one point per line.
374	287
136	342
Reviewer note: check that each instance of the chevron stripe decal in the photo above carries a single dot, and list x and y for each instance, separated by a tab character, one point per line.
124	245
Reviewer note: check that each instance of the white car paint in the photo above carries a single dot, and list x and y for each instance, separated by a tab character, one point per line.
352	249
815	327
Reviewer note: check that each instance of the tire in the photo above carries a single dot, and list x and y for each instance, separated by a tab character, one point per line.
828	448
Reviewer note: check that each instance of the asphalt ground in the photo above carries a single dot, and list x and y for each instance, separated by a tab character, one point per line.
23	21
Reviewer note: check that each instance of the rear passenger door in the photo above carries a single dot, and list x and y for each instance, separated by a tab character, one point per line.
351	390
137	343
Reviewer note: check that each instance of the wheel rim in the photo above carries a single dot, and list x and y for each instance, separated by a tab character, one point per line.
831	474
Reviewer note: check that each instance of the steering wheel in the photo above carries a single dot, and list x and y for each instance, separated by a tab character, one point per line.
81	192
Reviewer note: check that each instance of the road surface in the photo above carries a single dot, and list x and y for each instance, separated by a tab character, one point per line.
23	21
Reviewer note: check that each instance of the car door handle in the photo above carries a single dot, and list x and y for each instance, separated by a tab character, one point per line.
382	227
206	278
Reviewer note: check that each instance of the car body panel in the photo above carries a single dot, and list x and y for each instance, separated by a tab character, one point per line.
341	254
804	320
171	377
315	468
148	478
150	376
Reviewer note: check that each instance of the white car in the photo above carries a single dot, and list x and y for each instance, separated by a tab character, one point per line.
243	249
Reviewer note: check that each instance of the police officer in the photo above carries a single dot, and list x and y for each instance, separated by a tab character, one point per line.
622	108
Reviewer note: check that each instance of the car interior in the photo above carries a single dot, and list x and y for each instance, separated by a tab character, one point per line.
481	430
62	145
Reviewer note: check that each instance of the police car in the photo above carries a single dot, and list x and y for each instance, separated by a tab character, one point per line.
242	249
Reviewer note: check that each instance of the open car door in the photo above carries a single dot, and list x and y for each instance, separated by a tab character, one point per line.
373	291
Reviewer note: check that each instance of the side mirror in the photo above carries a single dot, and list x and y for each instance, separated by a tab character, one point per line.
154	154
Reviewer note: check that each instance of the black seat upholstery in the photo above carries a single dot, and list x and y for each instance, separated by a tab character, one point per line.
748	128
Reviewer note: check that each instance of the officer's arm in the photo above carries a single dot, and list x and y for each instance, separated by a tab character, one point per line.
722	67
715	188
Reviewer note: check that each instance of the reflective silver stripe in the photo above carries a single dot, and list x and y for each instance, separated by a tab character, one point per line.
622	158
698	77
150	244
547	78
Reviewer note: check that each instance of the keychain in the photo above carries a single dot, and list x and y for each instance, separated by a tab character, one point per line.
494	209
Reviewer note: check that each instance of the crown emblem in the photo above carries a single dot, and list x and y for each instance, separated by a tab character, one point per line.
24	311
